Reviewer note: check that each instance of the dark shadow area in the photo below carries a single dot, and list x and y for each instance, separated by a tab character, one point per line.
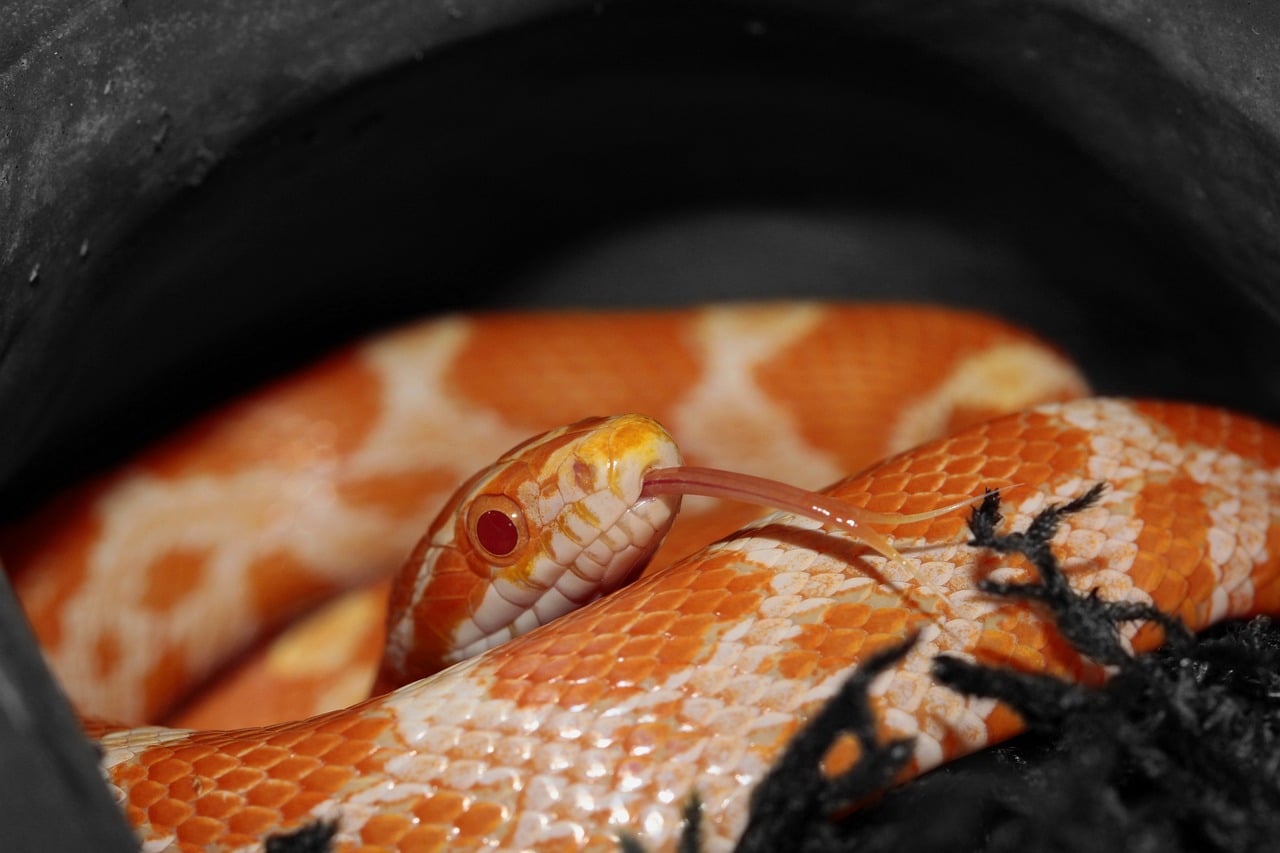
631	159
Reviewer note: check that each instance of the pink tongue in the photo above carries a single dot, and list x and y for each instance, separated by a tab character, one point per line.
715	483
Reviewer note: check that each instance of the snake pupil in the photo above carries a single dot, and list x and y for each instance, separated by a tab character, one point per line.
497	532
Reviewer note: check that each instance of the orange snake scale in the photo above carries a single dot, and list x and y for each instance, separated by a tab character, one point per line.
695	677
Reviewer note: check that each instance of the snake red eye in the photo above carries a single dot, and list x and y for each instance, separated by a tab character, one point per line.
496	526
496	532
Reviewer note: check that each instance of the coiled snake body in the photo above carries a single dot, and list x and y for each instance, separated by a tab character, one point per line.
695	677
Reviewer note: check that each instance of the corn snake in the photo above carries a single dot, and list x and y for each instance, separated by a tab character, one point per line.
774	628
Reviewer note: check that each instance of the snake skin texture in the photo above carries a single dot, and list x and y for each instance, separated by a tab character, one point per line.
325	480
694	679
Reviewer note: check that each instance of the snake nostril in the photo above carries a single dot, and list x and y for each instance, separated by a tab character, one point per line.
584	477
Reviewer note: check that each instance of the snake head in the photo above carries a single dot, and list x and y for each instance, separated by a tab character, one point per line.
555	523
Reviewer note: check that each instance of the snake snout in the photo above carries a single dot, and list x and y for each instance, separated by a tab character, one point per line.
607	531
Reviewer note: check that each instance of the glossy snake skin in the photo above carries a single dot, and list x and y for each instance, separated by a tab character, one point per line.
691	679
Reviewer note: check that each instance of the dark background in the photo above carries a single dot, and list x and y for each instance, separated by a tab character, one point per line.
194	196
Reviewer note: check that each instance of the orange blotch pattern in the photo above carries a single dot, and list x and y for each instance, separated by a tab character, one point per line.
936	475
840	758
402	494
1173	564
1266	579
173	576
229	788
47	557
167	678
263	688
322	413
1215	429
508	357
853	349
282	585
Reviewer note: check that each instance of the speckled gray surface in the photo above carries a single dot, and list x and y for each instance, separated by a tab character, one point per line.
127	99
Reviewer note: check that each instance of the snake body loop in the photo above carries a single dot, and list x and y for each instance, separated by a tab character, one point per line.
695	677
